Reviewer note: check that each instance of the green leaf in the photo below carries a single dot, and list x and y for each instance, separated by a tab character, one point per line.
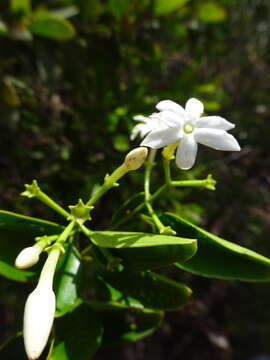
211	12
129	324
17	232
78	335
146	289
52	26
67	283
217	257
126	239
119	7
142	251
164	7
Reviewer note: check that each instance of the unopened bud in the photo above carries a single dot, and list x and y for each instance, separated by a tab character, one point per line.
40	309
135	158
38	320
27	257
30	255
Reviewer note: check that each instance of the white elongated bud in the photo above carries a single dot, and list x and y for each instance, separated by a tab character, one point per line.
135	158
29	256
39	310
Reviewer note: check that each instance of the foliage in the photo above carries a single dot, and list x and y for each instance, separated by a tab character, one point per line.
73	73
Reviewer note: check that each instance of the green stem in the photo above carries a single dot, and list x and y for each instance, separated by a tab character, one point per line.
51	203
167	171
65	234
109	182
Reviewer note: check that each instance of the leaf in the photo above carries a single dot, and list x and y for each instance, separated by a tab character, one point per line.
126	239
145	290
119	7
217	257
52	26
129	324
164	7
155	250
17	232
67	283
211	12
78	335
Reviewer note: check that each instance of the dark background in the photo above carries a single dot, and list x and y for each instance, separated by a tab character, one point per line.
66	106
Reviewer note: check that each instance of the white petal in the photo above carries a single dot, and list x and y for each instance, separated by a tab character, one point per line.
162	137
215	122
186	152
194	108
140	118
216	139
38	320
170	118
170	106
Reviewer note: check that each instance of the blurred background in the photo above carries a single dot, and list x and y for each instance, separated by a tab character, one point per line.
73	73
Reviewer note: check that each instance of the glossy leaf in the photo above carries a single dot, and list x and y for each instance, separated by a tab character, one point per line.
141	251
162	7
126	239
52	26
17	232
217	257
67	283
78	335
146	289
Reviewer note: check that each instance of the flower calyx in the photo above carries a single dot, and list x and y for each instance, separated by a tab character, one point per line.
80	212
167	230
210	182
32	190
168	151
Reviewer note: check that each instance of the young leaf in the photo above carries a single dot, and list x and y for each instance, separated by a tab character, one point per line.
217	257
17	232
52	26
162	7
67	282
78	335
146	289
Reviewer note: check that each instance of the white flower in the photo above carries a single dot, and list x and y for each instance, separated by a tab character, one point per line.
27	258
147	124
187	127
39	310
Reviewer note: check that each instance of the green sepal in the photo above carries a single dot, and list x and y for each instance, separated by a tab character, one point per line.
80	212
219	258
17	232
32	190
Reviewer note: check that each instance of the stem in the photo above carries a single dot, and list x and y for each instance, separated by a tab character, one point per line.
51	203
109	182
47	273
167	171
65	234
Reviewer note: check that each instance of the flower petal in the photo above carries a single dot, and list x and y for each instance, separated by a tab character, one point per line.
186	152
162	137
140	118
216	139
194	108
170	118
215	122
170	106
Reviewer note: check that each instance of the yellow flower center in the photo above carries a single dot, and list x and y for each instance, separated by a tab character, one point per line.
188	128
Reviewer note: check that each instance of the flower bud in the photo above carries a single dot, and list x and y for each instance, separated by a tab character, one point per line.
38	320
27	257
40	308
135	158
